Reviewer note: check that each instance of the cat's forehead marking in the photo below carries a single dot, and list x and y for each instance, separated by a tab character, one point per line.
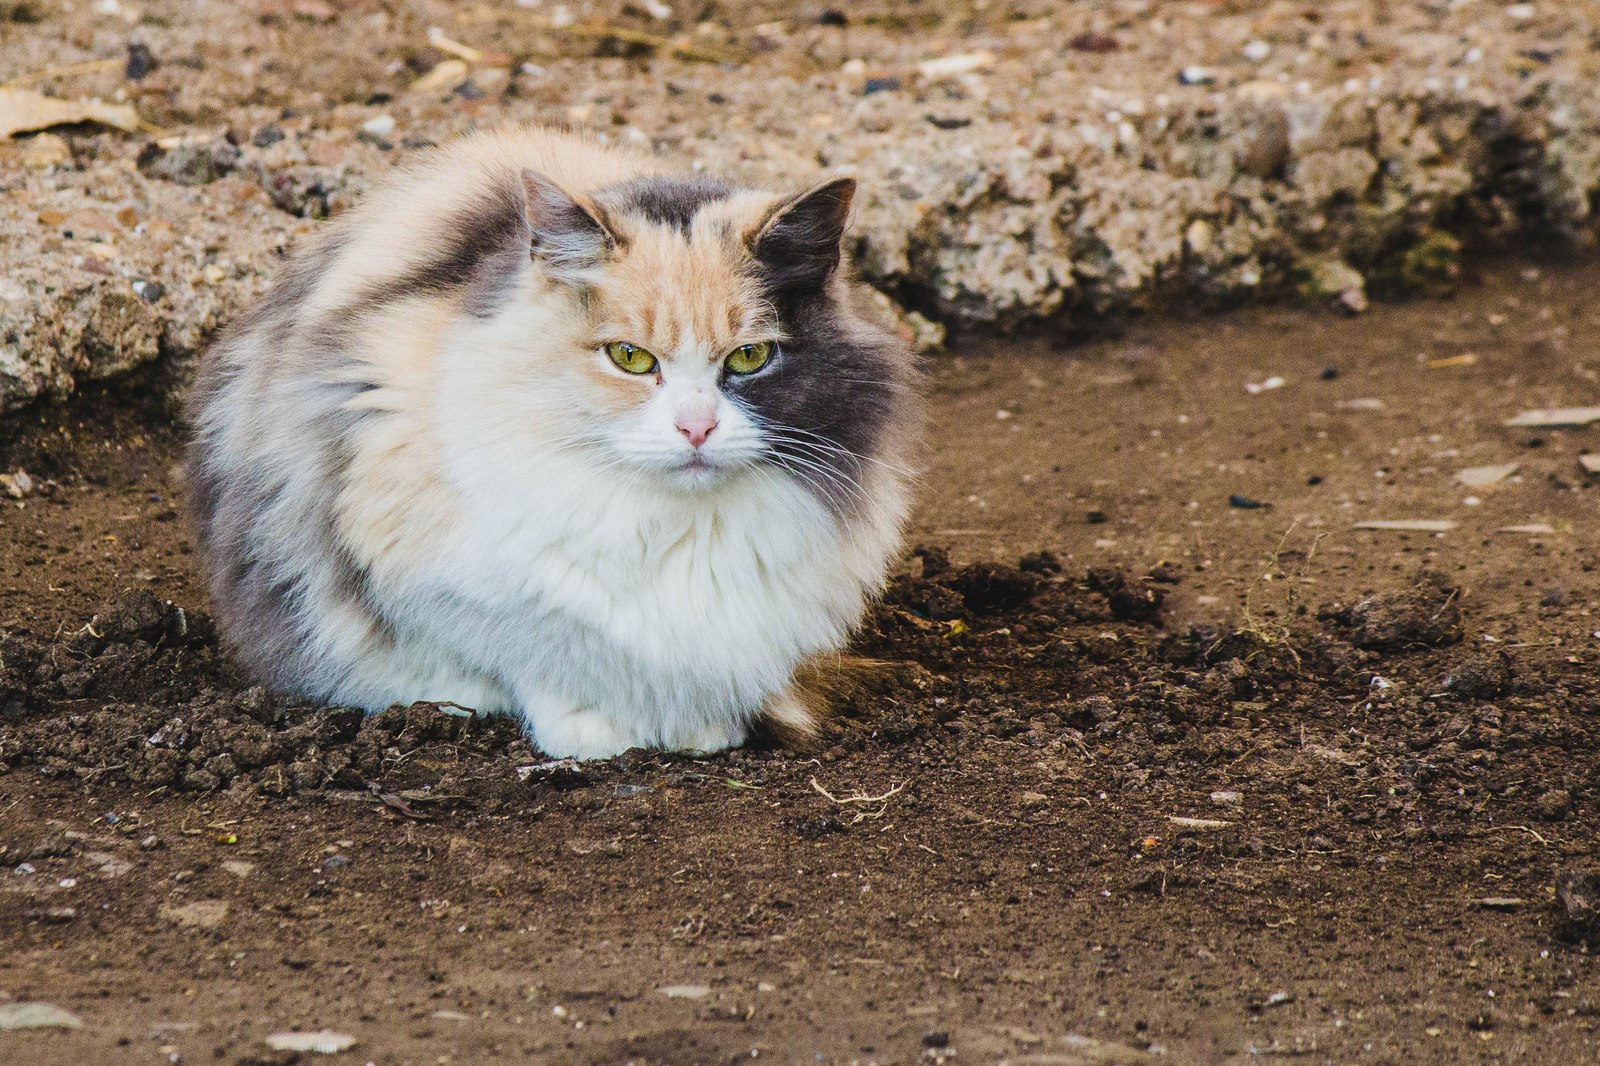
682	286
667	201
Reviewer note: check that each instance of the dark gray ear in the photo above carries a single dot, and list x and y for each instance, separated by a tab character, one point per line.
798	243
569	236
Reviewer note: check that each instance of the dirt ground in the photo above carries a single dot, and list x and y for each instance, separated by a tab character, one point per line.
1195	782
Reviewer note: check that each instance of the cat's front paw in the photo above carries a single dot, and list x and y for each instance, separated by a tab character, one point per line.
581	735
711	738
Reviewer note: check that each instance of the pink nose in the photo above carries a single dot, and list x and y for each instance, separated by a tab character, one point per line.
697	428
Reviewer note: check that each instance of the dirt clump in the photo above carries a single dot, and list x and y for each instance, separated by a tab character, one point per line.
141	692
1426	612
1578	896
1480	675
1130	600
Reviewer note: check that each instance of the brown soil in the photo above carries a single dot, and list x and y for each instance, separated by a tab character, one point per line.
1018	844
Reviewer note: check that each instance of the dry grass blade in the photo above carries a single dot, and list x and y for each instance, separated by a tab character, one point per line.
1534	833
605	31
1555	417
681	49
1409	525
63	70
397	803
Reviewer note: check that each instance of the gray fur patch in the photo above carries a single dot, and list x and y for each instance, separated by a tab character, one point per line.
486	243
667	201
839	381
829	394
262	515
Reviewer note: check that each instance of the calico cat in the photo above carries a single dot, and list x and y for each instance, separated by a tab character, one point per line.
542	429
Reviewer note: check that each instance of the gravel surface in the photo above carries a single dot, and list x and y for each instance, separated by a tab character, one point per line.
1022	164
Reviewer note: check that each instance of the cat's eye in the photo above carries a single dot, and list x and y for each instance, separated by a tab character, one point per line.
748	358
631	357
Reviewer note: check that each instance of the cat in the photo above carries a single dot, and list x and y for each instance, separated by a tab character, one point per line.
543	428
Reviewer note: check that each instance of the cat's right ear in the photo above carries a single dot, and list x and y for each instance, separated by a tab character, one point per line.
798	242
569	235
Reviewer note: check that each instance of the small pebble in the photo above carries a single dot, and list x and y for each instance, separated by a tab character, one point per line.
36	1016
141	62
46	150
684	991
1098	43
323	1042
18	485
1578	895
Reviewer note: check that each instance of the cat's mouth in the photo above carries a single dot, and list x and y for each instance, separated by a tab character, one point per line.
699	469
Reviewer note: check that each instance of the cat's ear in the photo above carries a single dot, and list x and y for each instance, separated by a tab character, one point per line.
798	242
569	236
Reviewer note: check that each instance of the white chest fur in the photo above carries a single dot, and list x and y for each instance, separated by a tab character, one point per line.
582	590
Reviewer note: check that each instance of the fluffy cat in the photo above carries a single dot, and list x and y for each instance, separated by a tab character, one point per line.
541	429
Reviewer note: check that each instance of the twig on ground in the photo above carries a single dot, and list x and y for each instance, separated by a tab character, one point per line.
395	802
1534	833
61	71
695	52
862	805
605	31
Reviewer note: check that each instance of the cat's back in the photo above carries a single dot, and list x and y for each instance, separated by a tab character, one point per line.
418	235
431	214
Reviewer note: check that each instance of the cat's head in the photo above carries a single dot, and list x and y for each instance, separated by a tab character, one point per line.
712	331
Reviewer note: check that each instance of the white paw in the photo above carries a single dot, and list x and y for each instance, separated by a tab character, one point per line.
710	738
579	734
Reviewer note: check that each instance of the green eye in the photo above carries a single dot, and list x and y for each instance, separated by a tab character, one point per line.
631	357
748	358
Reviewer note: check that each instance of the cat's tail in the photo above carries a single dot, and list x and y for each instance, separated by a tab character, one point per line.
807	712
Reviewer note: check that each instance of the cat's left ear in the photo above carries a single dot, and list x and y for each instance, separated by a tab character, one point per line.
798	241
570	236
